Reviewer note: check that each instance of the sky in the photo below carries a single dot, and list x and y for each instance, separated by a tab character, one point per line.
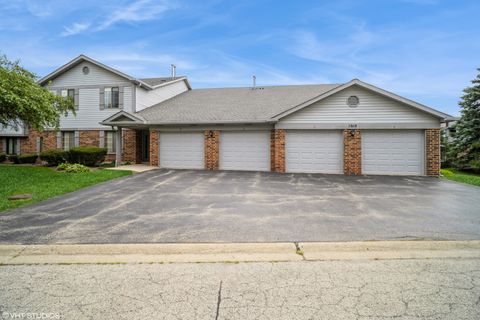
425	50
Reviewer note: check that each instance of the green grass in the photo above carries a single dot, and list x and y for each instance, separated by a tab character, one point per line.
44	183
459	176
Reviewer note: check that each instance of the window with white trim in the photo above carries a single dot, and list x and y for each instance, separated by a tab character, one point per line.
111	141
111	98
68	140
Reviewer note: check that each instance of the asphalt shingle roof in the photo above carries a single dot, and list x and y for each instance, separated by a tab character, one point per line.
156	81
232	104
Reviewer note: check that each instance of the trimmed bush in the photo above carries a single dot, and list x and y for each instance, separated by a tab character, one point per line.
54	157
72	168
27	158
13	158
88	156
3	157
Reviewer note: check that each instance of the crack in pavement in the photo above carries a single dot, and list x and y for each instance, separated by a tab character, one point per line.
219	300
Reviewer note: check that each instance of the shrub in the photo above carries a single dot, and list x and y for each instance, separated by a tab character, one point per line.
3	157
72	167
27	158
13	158
107	164
54	157
88	156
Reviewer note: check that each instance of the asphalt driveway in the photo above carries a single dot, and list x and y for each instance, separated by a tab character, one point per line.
202	206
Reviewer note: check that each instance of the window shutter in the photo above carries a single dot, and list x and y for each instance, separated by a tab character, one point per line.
18	146
102	98
76	98
77	138
4	145
38	144
101	143
120	97
59	140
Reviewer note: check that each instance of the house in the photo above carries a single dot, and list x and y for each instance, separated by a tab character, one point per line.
350	128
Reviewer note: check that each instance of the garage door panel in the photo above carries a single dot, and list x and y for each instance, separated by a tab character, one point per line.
314	151
396	152
245	150
181	150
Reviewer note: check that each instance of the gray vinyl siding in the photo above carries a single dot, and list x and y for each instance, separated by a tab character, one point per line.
373	109
148	98
97	76
11	131
89	114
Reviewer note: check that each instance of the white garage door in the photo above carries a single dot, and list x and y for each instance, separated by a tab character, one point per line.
245	150
314	151
181	150
393	152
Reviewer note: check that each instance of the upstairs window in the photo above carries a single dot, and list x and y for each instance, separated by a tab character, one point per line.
111	98
70	93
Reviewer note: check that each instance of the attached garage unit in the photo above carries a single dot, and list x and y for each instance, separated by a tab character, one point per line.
245	150
318	151
393	152
181	150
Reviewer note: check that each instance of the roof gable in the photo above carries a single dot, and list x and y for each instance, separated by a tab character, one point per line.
364	85
122	118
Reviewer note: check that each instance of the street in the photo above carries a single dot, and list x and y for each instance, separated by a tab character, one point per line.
352	289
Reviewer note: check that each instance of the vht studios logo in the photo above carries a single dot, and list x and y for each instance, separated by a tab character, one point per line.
30	315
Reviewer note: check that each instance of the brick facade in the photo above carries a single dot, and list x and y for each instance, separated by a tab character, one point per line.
211	149
89	138
29	144
352	152
132	145
154	161
432	145
277	150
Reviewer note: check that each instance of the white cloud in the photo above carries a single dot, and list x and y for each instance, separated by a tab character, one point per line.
75	28
138	11
142	10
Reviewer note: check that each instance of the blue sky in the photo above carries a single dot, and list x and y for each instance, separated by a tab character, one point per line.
426	50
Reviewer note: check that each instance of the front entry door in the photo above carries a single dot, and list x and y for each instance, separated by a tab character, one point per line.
145	146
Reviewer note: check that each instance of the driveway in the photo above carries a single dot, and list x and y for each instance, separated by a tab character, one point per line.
203	206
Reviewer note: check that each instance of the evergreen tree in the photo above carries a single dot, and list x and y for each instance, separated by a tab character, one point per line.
467	139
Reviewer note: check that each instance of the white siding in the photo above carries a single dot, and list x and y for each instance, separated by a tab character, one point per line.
147	98
88	114
96	76
128	99
373	109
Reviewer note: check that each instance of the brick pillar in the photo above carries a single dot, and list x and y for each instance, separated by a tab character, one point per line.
131	145
432	145
211	149
154	161
277	150
352	152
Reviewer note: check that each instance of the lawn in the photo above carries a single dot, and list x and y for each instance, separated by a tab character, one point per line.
44	183
459	176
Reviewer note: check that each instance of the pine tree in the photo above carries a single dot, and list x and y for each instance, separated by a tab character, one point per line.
467	139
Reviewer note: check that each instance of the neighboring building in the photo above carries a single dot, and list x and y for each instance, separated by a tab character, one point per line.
351	128
448	127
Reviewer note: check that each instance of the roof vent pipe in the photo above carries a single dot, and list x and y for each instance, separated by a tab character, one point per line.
174	67
254	78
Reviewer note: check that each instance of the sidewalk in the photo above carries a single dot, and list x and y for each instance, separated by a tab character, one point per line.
236	252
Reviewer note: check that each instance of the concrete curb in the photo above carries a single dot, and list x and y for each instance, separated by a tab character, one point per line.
235	252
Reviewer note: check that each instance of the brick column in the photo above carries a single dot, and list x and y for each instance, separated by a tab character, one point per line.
154	161
211	149
277	150
432	145
131	145
352	152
